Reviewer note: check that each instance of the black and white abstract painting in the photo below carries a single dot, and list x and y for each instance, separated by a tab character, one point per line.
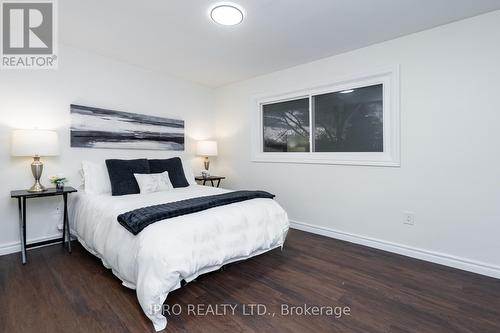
101	128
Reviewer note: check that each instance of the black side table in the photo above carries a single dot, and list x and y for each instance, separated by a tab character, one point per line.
21	196
210	179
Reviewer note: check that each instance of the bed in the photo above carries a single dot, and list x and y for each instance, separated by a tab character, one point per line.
155	261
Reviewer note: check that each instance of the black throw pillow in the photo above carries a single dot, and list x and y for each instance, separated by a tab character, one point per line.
174	168
121	175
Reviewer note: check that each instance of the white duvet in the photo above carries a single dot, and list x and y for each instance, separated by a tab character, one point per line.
159	257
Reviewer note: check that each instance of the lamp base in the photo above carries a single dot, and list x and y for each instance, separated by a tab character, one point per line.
206	163
37	187
36	169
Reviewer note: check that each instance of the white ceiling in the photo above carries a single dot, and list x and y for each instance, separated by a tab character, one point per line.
178	37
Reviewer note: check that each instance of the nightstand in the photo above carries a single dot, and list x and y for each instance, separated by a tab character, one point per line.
210	179
21	196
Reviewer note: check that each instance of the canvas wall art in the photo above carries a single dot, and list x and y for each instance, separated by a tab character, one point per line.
100	128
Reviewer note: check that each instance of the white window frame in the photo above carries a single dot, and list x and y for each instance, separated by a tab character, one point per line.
389	78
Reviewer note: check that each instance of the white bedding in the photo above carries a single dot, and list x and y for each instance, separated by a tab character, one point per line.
159	257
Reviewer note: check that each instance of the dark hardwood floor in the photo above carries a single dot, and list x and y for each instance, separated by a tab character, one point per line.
59	292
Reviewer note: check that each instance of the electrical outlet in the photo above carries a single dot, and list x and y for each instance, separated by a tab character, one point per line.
409	218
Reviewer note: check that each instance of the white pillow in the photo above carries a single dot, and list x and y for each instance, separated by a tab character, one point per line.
153	182
96	178
188	171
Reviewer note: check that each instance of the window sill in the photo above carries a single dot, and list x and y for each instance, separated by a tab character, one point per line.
363	159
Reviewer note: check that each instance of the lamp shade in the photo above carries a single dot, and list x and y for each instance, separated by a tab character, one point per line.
34	143
206	148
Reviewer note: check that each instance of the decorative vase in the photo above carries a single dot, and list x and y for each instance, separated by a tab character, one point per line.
59	186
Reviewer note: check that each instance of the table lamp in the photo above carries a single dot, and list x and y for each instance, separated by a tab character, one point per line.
206	148
35	143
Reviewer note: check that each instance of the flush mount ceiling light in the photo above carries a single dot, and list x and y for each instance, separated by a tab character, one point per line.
347	91
226	14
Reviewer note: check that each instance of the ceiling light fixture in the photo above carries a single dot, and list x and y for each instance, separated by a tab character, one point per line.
227	14
347	91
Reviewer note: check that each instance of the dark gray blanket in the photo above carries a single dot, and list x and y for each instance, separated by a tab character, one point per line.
138	219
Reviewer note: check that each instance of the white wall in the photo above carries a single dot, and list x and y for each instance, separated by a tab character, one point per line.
41	98
450	135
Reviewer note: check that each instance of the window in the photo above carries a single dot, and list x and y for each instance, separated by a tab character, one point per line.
353	122
349	120
286	126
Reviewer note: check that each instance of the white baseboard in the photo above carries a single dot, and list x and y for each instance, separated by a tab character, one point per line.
435	257
16	246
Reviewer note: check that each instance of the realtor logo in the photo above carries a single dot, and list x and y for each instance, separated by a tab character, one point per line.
28	34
